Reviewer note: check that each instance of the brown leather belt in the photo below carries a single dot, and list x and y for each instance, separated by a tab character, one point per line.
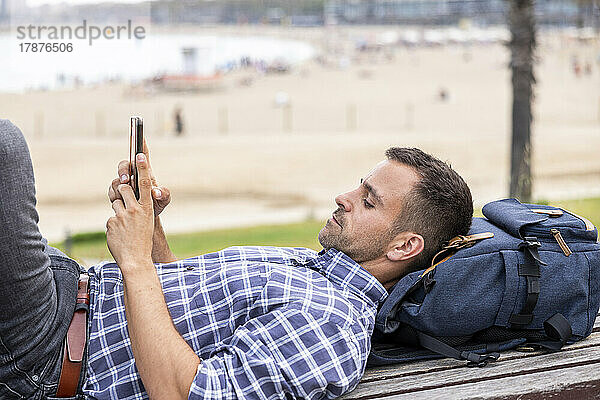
75	342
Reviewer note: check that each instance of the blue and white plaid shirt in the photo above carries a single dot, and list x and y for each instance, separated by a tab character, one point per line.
266	322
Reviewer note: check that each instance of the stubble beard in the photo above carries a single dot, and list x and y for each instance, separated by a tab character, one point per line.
358	249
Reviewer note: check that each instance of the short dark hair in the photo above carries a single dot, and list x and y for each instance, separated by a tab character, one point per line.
438	207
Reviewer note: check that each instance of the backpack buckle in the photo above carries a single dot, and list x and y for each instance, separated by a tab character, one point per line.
529	242
529	245
480	360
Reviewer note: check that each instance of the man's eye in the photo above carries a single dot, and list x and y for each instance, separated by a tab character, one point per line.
367	204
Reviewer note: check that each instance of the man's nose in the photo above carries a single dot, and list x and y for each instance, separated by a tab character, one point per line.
343	202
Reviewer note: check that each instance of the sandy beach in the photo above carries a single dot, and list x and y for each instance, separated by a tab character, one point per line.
244	160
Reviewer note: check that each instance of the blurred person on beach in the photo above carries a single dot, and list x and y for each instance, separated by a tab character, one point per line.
178	119
576	66
245	322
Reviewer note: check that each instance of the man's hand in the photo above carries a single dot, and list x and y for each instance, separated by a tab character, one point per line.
129	232
161	197
166	363
160	194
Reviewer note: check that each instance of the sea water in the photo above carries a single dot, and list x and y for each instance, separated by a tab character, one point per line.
133	60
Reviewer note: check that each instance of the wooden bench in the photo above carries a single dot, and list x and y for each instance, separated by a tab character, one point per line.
572	373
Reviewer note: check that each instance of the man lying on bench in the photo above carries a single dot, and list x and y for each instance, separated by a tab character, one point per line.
246	322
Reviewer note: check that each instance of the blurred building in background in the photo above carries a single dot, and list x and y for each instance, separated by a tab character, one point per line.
3	11
446	12
303	12
318	12
20	13
9	9
291	12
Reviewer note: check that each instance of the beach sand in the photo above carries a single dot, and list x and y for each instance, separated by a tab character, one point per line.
244	160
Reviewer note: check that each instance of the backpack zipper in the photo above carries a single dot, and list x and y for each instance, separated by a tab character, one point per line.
561	242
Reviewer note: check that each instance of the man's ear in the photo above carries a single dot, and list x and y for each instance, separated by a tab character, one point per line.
406	246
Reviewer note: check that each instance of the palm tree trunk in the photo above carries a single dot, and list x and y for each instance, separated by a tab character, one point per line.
522	46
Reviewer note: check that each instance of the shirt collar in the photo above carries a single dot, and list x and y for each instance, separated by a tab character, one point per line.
341	269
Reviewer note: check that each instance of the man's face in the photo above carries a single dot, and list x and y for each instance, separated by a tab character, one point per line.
362	225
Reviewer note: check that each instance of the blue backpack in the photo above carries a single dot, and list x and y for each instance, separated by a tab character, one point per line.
526	276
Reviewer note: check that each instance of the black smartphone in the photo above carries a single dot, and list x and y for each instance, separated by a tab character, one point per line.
136	145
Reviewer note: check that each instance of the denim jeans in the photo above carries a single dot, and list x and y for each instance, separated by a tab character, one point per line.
38	284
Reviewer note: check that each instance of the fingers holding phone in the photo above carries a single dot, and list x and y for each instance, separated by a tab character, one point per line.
161	195
126	173
133	214
129	233
123	177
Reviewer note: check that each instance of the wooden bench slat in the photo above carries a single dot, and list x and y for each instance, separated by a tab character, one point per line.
574	370
582	382
412	368
522	366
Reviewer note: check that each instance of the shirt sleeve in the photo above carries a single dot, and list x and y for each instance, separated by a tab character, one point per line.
286	353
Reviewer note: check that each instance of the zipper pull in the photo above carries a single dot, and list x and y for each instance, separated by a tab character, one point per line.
550	213
561	242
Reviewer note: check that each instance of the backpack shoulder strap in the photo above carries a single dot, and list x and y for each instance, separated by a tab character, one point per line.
439	347
455	244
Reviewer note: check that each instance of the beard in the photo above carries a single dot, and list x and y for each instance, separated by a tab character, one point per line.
359	248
